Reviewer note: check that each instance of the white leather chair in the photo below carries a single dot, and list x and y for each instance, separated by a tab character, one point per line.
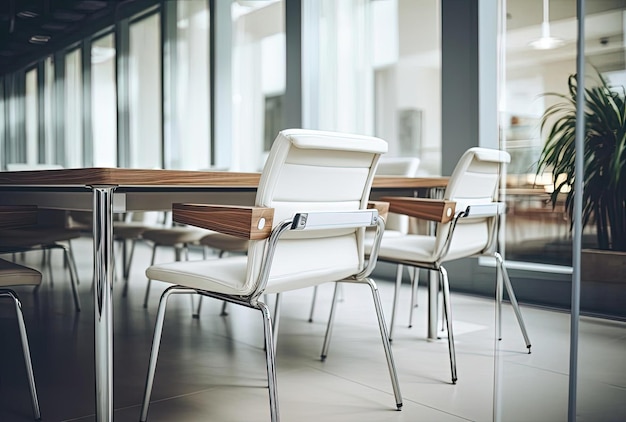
395	224
472	190
12	275
306	228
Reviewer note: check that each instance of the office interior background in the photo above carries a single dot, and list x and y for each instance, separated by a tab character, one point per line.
199	84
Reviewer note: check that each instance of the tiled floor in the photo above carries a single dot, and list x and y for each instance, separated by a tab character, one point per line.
212	368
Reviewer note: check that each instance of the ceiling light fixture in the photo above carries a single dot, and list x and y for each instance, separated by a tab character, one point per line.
546	42
27	14
39	39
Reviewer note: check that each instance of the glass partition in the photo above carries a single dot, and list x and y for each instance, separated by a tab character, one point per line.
541	87
601	362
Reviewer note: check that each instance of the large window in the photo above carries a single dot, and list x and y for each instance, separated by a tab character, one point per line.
104	102
49	115
191	118
32	117
73	110
258	76
145	93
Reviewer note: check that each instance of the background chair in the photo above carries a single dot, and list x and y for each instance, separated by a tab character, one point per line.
325	176
12	274
396	224
473	189
51	231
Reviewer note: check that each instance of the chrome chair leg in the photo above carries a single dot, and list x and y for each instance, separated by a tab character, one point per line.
26	350
156	343
276	318
448	315
147	294
329	326
513	299
386	342
499	298
270	361
223	312
313	303
396	293
69	256
72	269
414	273
126	262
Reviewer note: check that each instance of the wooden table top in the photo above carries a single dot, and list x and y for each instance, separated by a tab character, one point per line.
175	178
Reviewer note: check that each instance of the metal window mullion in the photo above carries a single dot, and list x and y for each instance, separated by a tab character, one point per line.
87	125
59	110
19	139
220	58
122	69
41	111
578	206
292	107
170	158
4	124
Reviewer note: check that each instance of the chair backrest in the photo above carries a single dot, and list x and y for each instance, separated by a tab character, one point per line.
310	170
475	180
397	166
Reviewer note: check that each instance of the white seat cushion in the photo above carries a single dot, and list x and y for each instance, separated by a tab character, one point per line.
174	235
226	275
420	248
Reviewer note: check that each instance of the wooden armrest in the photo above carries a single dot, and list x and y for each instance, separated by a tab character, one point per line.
381	207
252	223
14	216
437	210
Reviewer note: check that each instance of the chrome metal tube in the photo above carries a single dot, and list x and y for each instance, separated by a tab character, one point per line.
103	298
445	285
385	339
270	361
25	349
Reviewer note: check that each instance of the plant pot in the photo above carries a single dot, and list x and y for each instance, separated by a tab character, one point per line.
603	282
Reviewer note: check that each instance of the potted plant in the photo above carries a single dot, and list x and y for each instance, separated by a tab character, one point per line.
604	192
604	184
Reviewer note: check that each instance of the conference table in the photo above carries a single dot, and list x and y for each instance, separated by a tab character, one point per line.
107	191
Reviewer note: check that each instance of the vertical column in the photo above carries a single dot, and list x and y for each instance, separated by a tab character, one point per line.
170	136
103	299
310	64
221	82
469	69
87	159
122	67
58	116
41	112
469	98
292	117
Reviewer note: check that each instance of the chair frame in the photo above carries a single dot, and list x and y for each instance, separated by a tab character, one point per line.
12	217
5	292
301	221
415	207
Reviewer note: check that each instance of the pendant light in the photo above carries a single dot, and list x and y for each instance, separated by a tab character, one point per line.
546	42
